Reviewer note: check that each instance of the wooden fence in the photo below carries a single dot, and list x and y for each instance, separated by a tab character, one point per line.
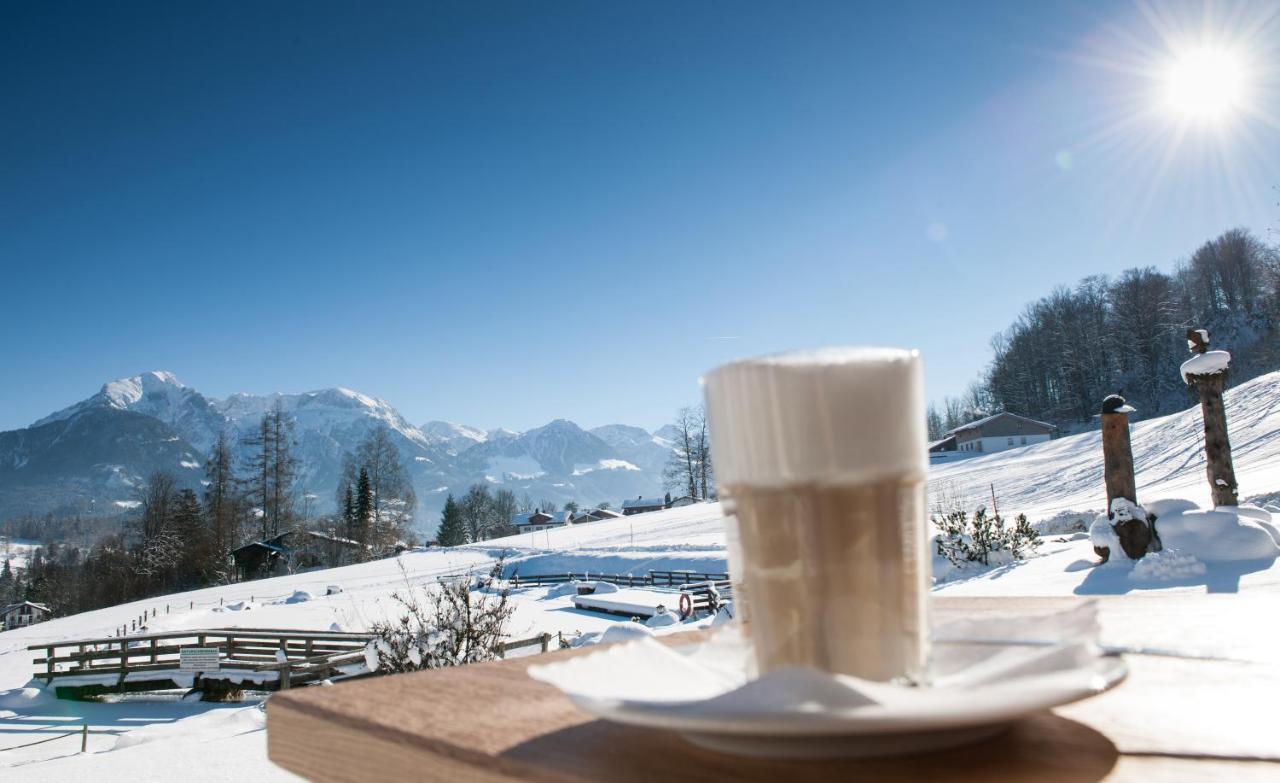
264	659
651	579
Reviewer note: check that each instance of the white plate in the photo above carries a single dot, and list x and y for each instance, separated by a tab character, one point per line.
701	692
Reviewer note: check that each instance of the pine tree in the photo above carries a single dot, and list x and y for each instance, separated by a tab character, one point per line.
8	593
364	513
196	559
350	521
453	529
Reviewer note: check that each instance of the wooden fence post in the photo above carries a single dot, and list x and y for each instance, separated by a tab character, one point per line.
1117	450
1206	372
84	738
546	638
1136	535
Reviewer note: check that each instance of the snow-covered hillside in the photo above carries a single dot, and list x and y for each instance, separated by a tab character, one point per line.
1066	474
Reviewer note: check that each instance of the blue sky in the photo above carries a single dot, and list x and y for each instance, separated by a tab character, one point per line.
506	213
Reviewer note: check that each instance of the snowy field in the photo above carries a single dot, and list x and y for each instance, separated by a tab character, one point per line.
157	739
17	552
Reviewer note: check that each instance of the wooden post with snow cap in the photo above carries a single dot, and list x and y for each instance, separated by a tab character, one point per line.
1117	451
1206	372
1134	531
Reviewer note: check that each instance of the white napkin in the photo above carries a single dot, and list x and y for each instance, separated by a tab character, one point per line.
711	678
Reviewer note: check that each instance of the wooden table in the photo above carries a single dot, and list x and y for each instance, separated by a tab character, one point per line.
1174	719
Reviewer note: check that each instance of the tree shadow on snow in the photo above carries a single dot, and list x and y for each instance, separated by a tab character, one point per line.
1220	577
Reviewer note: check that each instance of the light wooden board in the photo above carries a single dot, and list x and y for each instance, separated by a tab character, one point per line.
1174	719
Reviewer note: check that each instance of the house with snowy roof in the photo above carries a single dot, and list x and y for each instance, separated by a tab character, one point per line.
642	505
541	520
999	432
22	614
594	515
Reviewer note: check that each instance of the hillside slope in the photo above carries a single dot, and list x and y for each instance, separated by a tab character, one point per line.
1168	454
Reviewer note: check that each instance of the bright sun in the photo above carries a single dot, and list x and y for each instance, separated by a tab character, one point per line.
1205	84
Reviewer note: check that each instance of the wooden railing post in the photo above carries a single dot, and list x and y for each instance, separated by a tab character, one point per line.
1206	372
546	639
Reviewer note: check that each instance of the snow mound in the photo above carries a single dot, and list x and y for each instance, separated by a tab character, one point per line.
605	587
1220	534
1064	522
1166	566
24	698
663	619
561	590
236	606
618	632
298	597
333	589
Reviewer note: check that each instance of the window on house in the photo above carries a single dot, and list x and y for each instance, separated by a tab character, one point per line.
1024	440
1011	441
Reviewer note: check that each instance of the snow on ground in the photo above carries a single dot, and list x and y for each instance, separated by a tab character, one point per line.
1168	453
1057	484
17	552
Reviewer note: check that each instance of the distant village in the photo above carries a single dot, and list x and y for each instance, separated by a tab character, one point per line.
543	520
297	550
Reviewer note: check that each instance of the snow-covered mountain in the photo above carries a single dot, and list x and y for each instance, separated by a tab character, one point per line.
647	450
152	421
159	395
458	437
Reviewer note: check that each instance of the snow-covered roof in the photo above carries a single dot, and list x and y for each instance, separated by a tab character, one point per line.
335	538
645	503
541	518
20	604
973	425
935	444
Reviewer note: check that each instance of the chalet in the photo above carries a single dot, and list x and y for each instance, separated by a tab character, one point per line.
263	558
22	614
642	505
325	548
681	501
541	520
999	432
595	515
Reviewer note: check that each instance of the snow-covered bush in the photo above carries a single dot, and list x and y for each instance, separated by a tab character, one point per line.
446	626
964	539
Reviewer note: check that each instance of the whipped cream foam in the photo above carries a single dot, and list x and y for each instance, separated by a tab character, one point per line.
830	416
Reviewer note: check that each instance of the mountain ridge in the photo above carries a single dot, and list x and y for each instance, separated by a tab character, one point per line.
558	462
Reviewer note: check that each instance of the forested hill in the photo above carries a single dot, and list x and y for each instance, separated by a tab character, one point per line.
1128	334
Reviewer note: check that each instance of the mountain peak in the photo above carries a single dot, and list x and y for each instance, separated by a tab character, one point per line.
123	392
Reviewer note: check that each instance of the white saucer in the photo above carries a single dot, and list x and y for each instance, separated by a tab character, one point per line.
702	692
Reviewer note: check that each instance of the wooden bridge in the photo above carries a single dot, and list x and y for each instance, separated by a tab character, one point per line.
215	661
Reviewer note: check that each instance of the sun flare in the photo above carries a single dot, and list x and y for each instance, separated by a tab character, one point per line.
1206	84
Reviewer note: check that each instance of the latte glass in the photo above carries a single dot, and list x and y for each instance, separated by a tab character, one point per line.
821	462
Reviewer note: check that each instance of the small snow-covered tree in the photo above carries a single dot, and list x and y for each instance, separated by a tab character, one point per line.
964	539
449	624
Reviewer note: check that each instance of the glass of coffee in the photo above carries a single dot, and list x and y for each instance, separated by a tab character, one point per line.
821	458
